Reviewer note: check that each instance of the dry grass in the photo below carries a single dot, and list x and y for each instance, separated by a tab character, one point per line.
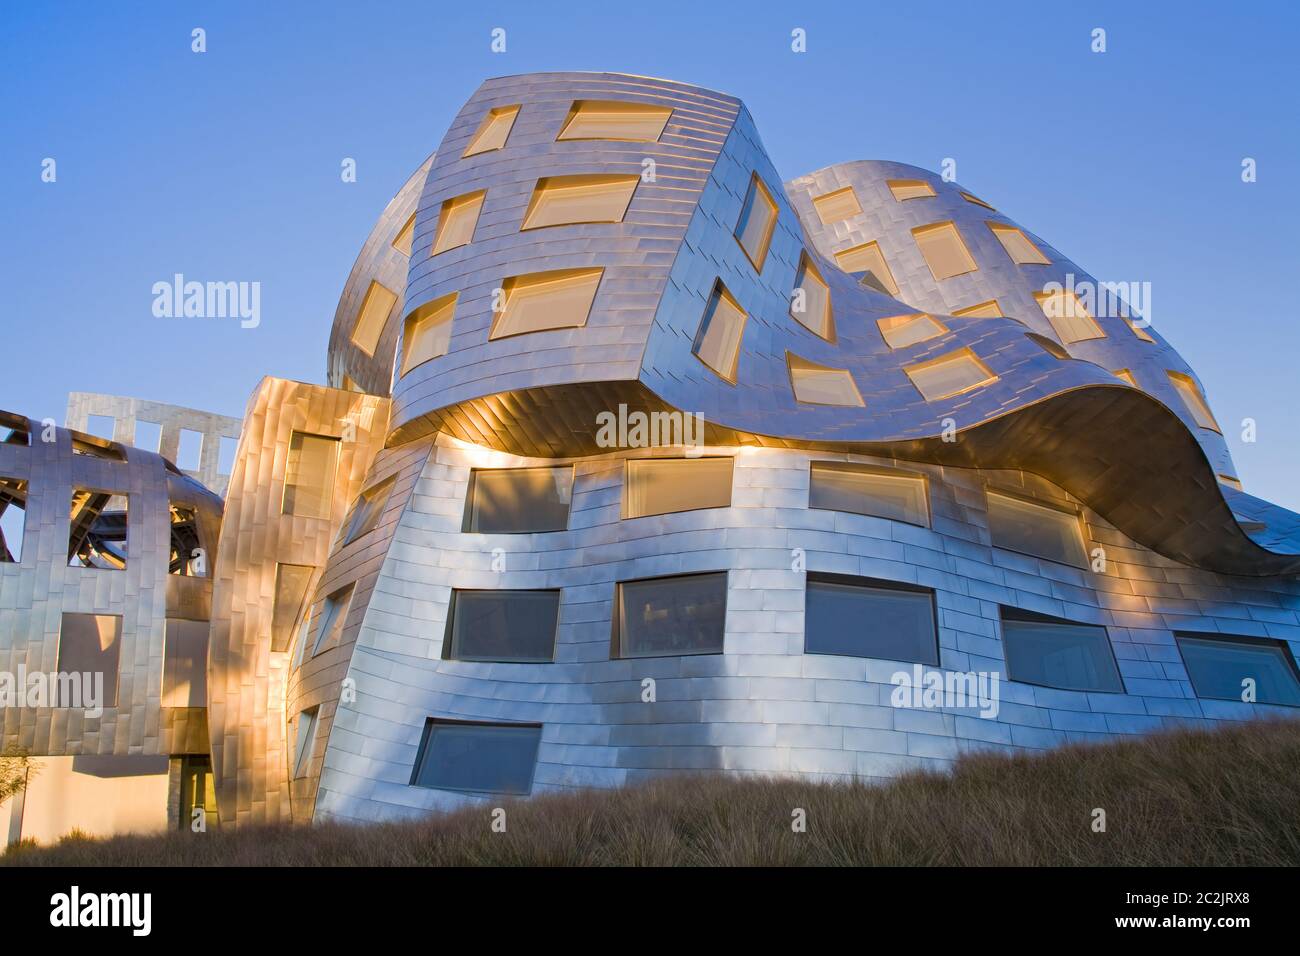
1185	798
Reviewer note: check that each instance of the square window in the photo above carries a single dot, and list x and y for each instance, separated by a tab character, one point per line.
815	384
615	119
426	333
858	617
1018	246
148	435
91	645
1054	653
569	200
900	331
868	258
905	189
546	300
309	475
101	426
844	486
1036	529
1190	393
657	486
717	343
502	626
185	664
1224	668
757	222
1069	316
518	500
837	206
477	758
98	529
372	317
456	222
944	251
812	309
948	375
493	131
668	617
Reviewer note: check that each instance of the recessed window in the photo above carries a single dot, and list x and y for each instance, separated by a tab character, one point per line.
493	131
615	119
426	333
148	435
860	489
189	450
904	189
944	251
518	500
900	331
305	741
857	617
568	200
1126	375
1140	331
1019	247
1190	393
477	758
13	518
291	581
14	429
367	511
976	200
667	617
546	300
92	447
378	302
456	222
815	384
717	343
949	375
330	618
837	206
757	222
812	309
1228	668
1036	529
91	644
868	258
657	486
185	664
402	241
1055	653
985	310
1230	481
505	626
98	530
309	475
1047	345
187	556
1068	315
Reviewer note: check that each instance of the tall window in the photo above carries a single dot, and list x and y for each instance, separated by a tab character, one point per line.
13	518
507	626
859	617
656	486
1190	393
426	333
185	664
1240	668
493	132
330	619
372	317
309	475
456	222
305	741
811	303
477	758
91	645
367	511
844	486
518	500
666	617
291	581
1037	529
757	222
1056	653
717	343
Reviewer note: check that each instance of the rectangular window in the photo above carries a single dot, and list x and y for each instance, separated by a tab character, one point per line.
812	310
859	617
101	426
93	447
1069	316
1225	668
291	581
1190	393
615	119
91	644
1054	653
367	511
860	489
904	189
976	200
944	251
502	626
518	500
309	475
148	435
546	300
226	449
402	241
457	220
426	333
98	530
1018	246
379	301
900	331
837	206
950	375
984	310
14	429
189	450
477	758
717	344
305	741
667	617
569	200
186	556
868	259
493	132
330	619
13	518
815	384
1036	529
657	486
185	664
757	222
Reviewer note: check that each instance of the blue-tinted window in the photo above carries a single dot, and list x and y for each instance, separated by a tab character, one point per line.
503	626
862	618
479	758
663	617
1055	653
1218	667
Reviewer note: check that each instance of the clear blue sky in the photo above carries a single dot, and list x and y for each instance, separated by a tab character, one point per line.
225	165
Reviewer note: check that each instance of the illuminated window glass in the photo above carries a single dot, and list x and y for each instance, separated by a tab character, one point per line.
1069	316
1230	481
309	475
616	119
945	253
815	384
567	200
901	331
717	344
984	310
949	375
1191	395
402	241
757	222
869	259
657	486
291	581
667	617
1021	250
976	200
493	131
904	189
379	301
1126	375
1049	346
1219	667
860	489
518	500
504	626
1056	653
546	300
1037	529
1140	331
836	206
813	309
457	221
858	617
426	334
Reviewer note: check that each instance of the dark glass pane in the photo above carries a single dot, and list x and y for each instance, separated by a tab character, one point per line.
489	759
504	625
517	500
860	621
1069	656
668	616
1217	668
